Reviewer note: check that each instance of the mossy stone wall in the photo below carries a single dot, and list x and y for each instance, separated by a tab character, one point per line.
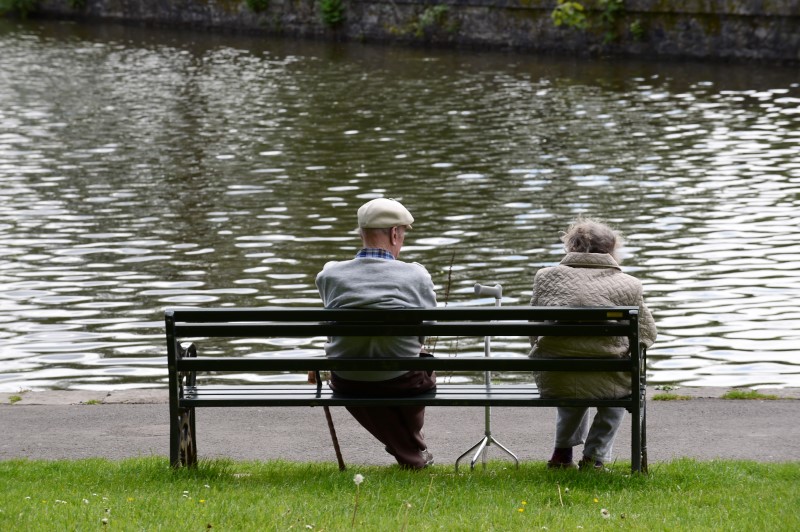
708	29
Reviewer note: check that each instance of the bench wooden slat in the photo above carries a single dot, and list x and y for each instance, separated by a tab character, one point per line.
445	395
288	329
406	315
280	364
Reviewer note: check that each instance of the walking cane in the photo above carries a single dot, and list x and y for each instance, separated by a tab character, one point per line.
334	438
315	378
487	440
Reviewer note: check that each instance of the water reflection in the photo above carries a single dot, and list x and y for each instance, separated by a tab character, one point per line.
144	169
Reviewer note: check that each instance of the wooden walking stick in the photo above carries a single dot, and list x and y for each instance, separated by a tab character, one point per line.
334	438
315	378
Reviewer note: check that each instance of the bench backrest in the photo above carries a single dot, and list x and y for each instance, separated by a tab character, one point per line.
279	322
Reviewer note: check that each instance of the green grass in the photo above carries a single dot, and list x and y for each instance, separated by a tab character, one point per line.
670	397
748	394
145	494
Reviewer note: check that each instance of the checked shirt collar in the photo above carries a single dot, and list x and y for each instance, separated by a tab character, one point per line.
374	253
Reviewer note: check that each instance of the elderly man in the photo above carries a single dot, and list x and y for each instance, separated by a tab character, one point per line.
375	279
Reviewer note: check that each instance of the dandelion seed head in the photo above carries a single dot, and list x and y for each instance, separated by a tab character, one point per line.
604	513
358	479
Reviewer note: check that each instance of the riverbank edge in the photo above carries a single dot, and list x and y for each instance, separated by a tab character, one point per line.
724	30
161	395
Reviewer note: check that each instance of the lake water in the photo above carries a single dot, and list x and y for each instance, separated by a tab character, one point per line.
144	169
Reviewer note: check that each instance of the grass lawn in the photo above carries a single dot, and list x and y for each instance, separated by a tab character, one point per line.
145	494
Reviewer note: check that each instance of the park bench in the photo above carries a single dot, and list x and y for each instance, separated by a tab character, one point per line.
198	381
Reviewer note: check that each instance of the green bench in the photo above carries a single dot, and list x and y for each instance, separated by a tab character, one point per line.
192	377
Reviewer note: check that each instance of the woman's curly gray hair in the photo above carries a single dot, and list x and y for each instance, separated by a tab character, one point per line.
591	236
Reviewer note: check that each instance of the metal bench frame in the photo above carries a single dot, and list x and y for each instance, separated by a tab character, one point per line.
185	394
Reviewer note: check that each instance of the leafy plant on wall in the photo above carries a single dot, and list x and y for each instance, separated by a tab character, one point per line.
20	8
602	15
257	6
332	12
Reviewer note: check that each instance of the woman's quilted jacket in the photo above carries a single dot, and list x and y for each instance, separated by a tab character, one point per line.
585	280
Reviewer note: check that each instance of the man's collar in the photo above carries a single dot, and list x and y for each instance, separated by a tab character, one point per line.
374	253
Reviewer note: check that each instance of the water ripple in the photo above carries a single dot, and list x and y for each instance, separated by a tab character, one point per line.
226	172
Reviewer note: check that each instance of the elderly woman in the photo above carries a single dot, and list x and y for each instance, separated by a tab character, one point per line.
589	275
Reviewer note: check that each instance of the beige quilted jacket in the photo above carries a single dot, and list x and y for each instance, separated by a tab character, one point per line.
583	280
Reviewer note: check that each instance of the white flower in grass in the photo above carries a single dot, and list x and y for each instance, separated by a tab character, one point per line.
605	513
358	479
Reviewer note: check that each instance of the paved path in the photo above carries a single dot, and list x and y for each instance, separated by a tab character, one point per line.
61	425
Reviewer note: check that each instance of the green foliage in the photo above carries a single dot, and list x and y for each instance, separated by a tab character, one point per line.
611	9
637	30
602	16
748	394
14	399
76	4
332	12
570	14
146	494
432	17
20	8
257	6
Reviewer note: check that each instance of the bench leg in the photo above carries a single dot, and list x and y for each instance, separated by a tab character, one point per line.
639	438
188	442
644	437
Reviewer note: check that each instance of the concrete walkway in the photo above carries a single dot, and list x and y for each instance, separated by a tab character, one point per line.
73	425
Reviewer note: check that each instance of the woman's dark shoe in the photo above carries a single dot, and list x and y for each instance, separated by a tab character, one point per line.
561	459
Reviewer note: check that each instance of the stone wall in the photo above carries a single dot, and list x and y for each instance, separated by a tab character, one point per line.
708	29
